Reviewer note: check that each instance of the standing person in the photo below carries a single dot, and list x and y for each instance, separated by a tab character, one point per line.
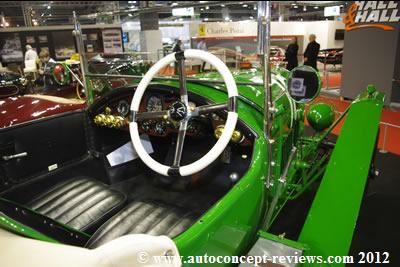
291	54
177	46
202	46
311	53
30	54
175	49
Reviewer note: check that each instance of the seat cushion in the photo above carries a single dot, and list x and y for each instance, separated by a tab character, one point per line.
144	217
82	203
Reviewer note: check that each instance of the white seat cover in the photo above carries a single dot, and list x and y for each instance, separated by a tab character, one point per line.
125	251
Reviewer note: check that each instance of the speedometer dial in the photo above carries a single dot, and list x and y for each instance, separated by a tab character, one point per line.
154	104
123	108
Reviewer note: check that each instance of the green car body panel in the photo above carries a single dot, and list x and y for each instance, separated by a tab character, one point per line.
235	222
329	227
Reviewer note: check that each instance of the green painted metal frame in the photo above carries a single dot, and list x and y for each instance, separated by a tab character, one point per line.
330	223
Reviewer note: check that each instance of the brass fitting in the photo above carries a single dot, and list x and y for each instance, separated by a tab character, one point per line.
237	136
100	120
107	110
110	121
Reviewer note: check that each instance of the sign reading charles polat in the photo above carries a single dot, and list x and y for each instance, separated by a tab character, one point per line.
228	29
372	14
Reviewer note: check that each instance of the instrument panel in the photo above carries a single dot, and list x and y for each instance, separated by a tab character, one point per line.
116	114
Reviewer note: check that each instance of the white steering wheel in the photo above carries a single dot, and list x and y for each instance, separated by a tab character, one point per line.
179	112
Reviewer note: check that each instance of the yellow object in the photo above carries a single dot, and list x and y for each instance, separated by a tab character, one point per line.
236	137
202	30
100	119
110	121
75	57
218	131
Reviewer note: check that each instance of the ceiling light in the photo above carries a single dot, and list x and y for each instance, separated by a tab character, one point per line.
48	7
174	4
7	24
49	15
207	7
205	19
245	5
295	6
341	5
201	9
304	8
226	18
35	23
130	15
42	15
316	7
222	5
255	8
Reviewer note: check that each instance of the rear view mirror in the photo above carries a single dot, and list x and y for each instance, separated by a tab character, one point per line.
304	84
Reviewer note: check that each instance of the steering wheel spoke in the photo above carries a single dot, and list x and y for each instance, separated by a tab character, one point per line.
179	144
152	115
206	109
182	77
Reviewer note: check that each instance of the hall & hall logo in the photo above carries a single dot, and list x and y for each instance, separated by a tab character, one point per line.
372	14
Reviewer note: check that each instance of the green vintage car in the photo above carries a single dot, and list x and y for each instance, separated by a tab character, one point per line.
190	159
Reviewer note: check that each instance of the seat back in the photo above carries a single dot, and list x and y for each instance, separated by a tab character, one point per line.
29	223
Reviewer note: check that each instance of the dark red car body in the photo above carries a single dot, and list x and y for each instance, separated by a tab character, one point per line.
19	109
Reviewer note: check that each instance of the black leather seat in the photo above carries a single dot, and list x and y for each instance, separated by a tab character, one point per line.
82	203
144	217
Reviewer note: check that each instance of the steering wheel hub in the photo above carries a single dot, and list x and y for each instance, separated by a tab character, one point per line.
178	111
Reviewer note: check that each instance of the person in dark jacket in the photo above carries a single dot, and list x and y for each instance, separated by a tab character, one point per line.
311	53
291	54
177	48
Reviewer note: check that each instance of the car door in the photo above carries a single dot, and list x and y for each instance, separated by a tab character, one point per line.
40	146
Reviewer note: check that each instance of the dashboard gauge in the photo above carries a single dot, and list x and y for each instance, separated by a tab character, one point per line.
154	104
160	127
146	125
123	108
192	127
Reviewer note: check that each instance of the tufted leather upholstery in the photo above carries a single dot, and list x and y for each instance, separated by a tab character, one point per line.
82	203
143	217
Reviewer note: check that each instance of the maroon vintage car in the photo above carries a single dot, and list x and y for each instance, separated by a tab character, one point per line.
19	109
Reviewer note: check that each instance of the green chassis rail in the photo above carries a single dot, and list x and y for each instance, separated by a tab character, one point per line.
330	223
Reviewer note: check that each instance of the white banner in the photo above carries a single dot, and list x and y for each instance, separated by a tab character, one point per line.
228	29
